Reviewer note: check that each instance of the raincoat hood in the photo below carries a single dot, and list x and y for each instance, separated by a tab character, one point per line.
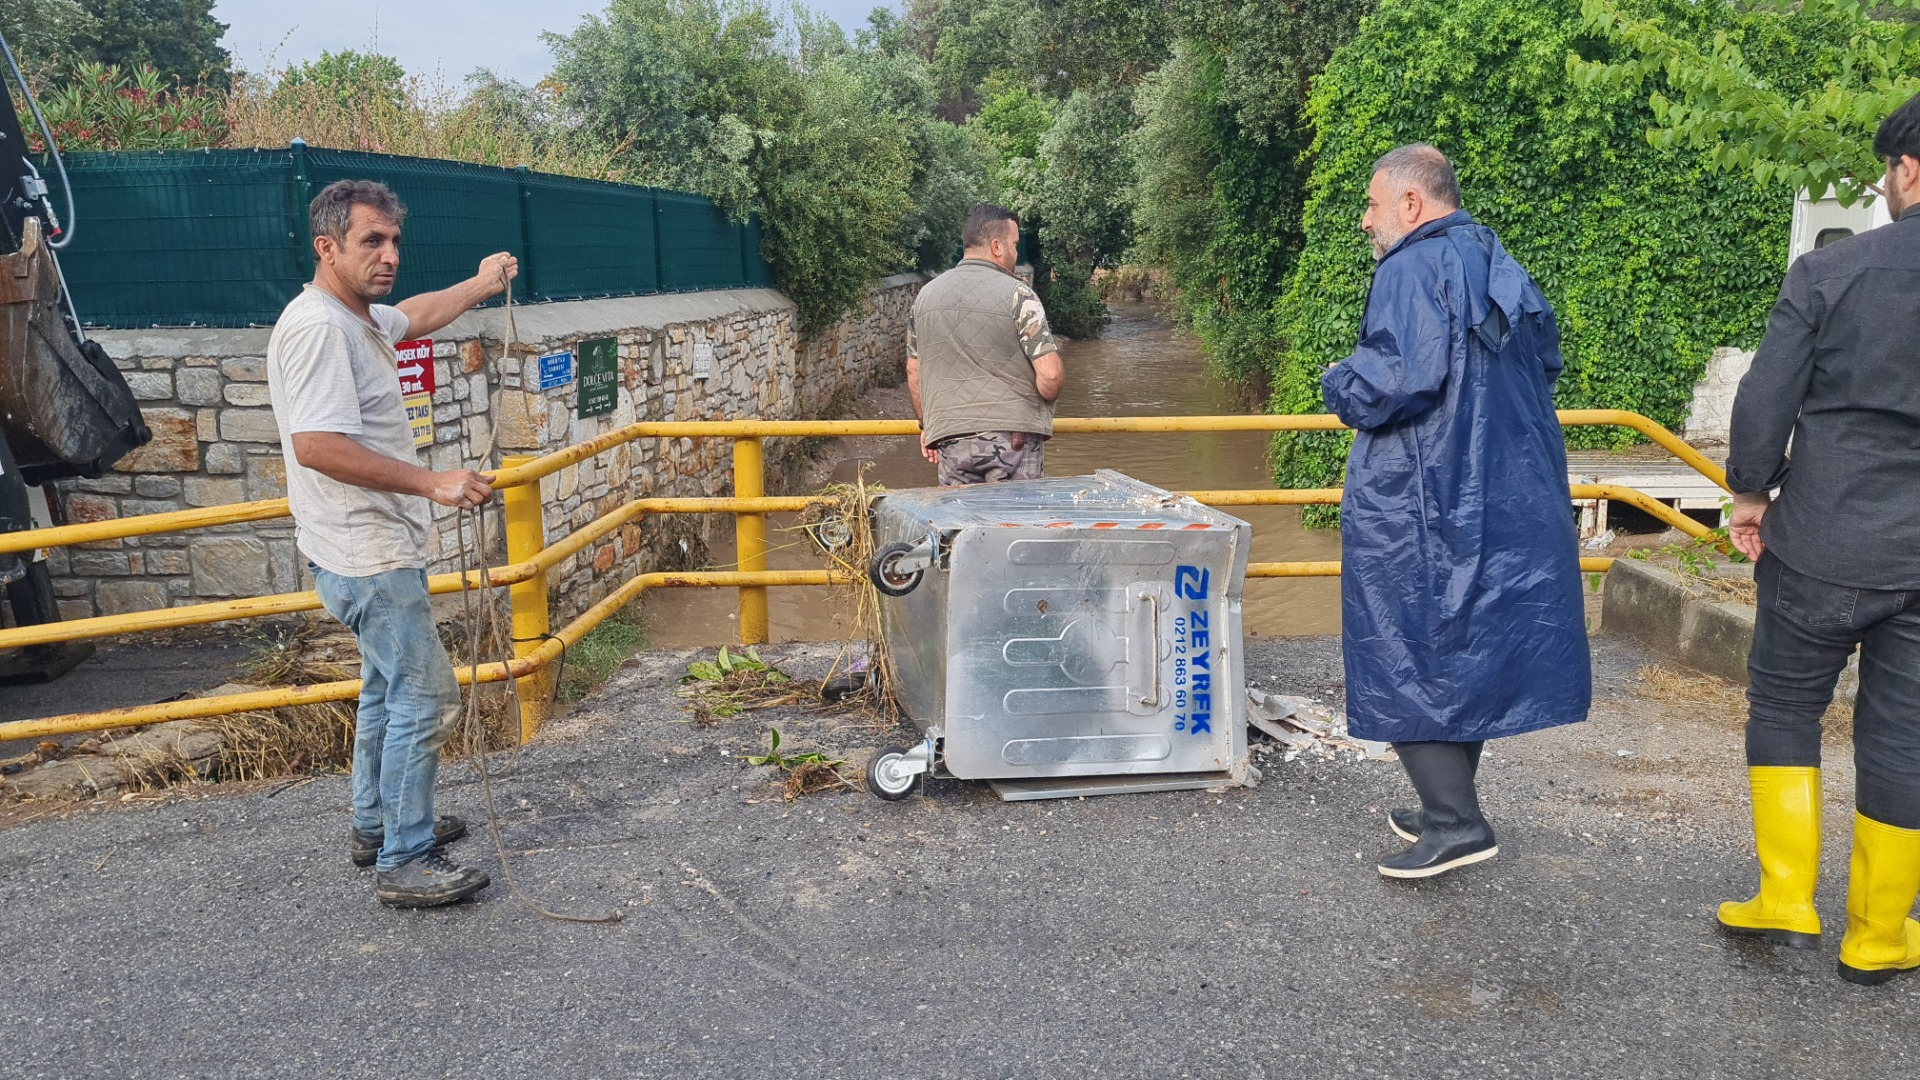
1505	296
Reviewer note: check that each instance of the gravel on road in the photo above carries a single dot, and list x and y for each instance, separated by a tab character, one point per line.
1240	933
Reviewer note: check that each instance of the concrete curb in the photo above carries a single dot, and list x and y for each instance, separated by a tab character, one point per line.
1661	608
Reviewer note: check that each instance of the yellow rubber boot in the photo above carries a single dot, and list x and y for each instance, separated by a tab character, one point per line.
1882	940
1786	835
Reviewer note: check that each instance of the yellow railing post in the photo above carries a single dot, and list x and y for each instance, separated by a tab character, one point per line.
526	536
537	649
750	536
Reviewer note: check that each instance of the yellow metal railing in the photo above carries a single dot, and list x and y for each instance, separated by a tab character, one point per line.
529	556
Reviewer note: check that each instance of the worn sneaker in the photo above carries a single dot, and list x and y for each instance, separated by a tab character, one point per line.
364	848
427	881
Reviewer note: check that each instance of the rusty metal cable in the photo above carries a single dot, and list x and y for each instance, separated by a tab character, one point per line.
484	626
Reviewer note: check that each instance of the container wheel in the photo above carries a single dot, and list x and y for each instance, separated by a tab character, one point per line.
886	574
830	534
844	685
887	776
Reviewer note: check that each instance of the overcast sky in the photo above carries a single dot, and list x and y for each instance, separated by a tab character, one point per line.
452	37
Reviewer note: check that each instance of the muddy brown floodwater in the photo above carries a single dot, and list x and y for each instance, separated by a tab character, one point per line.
1140	367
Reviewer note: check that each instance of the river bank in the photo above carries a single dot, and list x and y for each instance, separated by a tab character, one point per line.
1141	366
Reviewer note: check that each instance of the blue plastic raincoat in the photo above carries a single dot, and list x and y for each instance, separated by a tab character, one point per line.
1460	586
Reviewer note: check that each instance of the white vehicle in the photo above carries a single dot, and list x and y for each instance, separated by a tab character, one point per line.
1819	222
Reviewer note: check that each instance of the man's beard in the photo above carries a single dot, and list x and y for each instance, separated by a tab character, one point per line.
372	289
1384	237
1382	243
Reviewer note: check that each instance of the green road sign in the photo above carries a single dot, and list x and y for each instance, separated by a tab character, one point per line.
599	376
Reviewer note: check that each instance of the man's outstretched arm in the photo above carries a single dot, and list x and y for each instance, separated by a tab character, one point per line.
429	312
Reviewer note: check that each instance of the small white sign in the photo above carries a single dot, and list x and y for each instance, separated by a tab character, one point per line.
703	360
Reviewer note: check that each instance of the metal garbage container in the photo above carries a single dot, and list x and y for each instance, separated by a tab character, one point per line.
1067	636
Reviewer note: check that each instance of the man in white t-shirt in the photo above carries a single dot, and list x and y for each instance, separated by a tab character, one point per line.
359	500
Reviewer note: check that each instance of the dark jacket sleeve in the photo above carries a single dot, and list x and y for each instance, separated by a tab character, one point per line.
1399	370
1768	403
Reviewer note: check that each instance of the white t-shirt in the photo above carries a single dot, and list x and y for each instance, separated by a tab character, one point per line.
330	370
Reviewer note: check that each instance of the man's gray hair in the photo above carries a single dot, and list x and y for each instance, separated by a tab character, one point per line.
332	209
1423	168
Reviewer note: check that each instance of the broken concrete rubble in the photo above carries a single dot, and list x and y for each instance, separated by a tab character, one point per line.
1301	724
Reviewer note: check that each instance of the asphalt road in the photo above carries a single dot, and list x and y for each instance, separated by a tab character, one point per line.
1238	934
124	672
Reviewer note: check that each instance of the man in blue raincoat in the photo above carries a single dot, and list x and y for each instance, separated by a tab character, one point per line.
1460	580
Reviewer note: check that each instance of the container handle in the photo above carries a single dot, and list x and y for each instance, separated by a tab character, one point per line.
1152	650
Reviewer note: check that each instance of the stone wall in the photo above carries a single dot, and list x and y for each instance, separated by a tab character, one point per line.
204	394
1711	416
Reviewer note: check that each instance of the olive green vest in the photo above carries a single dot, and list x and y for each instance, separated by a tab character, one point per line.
975	372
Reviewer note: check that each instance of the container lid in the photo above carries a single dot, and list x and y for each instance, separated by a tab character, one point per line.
1106	500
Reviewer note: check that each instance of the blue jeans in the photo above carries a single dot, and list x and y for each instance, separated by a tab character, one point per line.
1804	630
409	704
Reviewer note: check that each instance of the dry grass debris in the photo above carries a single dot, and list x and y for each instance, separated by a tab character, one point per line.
1691	694
815	776
843	529
269	743
1733	590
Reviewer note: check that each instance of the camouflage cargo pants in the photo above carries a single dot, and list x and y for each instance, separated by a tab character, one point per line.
991	456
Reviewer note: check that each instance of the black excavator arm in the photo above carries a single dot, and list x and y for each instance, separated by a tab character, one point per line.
65	409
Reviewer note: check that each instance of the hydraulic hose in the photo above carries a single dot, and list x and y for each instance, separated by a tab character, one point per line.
53	151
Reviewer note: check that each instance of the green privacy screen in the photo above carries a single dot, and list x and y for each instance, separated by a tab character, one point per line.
219	237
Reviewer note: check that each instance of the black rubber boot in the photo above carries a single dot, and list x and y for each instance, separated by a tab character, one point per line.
1453	833
1406	824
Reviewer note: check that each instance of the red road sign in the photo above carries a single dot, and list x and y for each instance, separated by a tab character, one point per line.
416	366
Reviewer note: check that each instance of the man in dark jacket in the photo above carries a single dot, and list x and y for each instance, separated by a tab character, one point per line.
1460	577
1838	566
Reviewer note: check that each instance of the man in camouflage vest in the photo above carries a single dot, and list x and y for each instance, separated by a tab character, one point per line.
981	363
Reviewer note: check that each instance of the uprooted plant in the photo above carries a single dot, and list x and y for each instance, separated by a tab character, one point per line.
733	683
806	772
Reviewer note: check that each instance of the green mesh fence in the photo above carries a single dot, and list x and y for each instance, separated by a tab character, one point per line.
219	237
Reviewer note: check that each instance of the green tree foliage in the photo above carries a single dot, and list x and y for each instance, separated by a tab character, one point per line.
1048	86
966	42
1090	44
949	164
1055	46
1715	96
1650	257
352	80
42	33
1075	191
1009	127
1222	177
178	38
504	122
836	183
833	141
684	88
949	180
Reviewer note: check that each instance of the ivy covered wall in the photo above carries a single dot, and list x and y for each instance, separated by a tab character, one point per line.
1650	259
